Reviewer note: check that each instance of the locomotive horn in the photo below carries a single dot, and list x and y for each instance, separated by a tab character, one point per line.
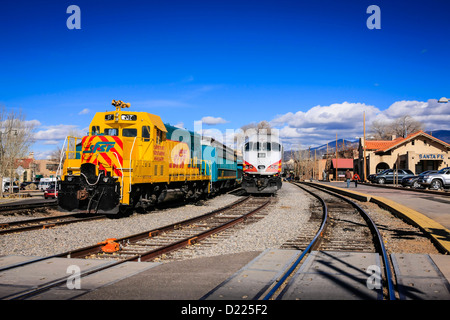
120	104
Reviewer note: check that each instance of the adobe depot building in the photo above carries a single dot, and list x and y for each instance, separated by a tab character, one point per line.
417	152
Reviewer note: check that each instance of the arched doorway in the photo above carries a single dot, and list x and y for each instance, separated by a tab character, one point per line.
381	166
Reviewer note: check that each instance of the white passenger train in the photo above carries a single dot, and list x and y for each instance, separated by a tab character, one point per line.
262	155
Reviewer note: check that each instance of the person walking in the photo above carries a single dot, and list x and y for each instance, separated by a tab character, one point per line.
356	178
348	177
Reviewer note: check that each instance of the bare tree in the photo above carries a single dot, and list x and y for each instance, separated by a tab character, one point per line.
400	127
405	125
380	130
247	130
16	137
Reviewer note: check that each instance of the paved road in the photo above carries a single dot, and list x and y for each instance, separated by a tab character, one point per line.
433	206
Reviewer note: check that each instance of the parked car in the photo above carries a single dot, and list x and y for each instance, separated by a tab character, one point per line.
51	192
413	182
387	176
371	177
436	181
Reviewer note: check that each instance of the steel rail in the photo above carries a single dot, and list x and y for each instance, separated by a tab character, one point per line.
24	206
150	233
193	239
5	227
308	249
147	255
97	247
379	243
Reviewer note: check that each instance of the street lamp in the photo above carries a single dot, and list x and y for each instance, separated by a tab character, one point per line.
443	100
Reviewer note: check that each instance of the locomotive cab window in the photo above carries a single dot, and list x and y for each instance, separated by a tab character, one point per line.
129	132
111	132
146	133
159	136
95	130
276	146
248	146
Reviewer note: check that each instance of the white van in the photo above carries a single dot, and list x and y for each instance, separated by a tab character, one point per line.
44	183
6	185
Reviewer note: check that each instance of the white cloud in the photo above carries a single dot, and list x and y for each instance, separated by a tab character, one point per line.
51	142
34	123
57	132
84	111
213	120
434	115
40	155
320	124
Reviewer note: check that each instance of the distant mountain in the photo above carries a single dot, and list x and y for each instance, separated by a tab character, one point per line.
321	150
332	145
443	135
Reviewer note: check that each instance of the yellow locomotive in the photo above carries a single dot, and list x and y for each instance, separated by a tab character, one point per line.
127	160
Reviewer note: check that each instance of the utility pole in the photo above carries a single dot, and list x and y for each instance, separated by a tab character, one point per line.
364	146
336	158
315	165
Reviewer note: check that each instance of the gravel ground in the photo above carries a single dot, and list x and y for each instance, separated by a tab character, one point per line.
283	221
398	235
61	239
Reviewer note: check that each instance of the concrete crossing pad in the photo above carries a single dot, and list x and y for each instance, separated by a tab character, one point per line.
23	278
327	275
421	276
250	282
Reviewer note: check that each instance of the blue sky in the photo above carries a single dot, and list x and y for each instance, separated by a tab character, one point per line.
309	67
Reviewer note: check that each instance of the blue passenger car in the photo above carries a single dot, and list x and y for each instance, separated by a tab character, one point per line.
223	164
224	168
183	135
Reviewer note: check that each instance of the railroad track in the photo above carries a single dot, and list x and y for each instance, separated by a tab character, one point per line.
336	224
45	222
15	208
154	243
150	244
346	229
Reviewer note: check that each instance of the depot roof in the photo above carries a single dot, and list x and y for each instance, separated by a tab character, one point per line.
343	163
386	145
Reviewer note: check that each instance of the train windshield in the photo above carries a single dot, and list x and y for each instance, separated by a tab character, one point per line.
129	133
111	132
262	146
276	146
